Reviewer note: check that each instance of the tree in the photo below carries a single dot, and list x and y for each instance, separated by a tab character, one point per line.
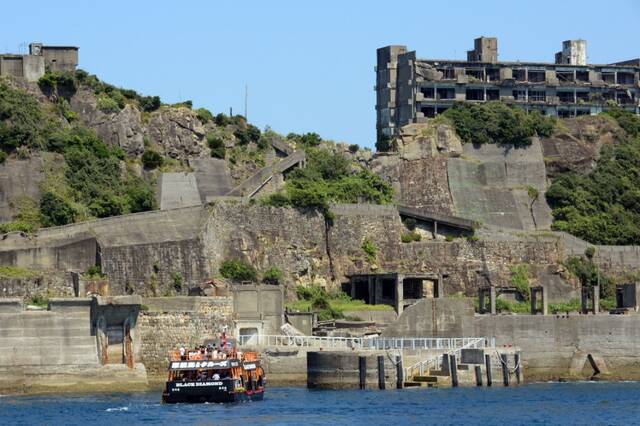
272	276
55	210
151	159
237	270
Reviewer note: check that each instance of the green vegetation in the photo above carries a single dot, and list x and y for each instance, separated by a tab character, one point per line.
272	276
496	122
384	144
589	275
93	272
247	133
329	305
306	140
151	159
604	206
56	210
58	81
38	300
16	272
86	178
204	115
410	237
520	280
353	148
216	143
237	270
370	249
329	178
178	281
113	99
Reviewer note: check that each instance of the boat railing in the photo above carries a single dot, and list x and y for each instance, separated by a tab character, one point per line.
366	343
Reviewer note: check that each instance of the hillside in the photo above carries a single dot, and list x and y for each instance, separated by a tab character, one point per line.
75	148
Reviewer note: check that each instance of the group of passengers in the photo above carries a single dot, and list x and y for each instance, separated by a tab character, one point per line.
201	375
203	353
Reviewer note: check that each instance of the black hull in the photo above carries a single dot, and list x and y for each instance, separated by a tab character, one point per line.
217	398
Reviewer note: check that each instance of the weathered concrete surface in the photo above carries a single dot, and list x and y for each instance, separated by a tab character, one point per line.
490	184
19	179
339	370
178	190
212	176
553	346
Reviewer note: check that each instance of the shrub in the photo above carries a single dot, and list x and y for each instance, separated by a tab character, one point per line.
410	237
369	248
310	139
272	276
149	103
151	159
353	148
55	210
410	223
93	271
21	119
177	279
222	120
629	121
449	238
496	122
589	275
238	270
520	280
204	115
216	144
247	134
3	156
107	104
38	300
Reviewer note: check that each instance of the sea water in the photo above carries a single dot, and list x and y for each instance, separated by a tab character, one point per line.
593	403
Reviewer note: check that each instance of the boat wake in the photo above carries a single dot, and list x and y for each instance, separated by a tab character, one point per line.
111	410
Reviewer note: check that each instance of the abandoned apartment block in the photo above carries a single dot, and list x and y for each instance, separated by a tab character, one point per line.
40	58
409	90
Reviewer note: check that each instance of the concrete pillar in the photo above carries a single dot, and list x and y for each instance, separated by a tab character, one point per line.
534	300
399	293
435	229
481	307
492	298
440	289
596	299
545	301
584	300
372	290
353	288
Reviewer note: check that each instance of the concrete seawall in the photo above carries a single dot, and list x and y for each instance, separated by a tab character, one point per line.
553	346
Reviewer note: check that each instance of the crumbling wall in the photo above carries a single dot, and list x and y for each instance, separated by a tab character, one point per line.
163	327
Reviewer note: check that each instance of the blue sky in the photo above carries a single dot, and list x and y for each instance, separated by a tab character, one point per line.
308	65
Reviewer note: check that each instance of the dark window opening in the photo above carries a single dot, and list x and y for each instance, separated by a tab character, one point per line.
446	93
565	97
565	76
428	111
519	75
475	94
609	77
537	96
474	73
493	74
412	288
583	112
493	94
361	291
624	98
388	289
428	92
582	76
625	78
582	96
536	76
440	110
447	73
565	113
520	95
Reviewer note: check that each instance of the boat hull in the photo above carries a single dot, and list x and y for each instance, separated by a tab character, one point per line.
212	392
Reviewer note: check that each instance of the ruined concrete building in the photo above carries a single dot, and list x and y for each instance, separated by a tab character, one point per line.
408	89
40	58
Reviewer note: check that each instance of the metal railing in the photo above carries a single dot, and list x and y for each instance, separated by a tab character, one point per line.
435	361
365	343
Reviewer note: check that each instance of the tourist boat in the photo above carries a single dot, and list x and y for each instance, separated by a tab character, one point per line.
206	375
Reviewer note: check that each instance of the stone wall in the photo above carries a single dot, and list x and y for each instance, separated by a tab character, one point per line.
553	346
168	323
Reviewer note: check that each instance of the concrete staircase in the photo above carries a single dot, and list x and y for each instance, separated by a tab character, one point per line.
46	338
254	183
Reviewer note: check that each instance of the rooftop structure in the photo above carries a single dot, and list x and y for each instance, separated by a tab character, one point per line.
409	89
40	58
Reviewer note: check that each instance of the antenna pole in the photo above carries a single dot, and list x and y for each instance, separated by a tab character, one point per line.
246	102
